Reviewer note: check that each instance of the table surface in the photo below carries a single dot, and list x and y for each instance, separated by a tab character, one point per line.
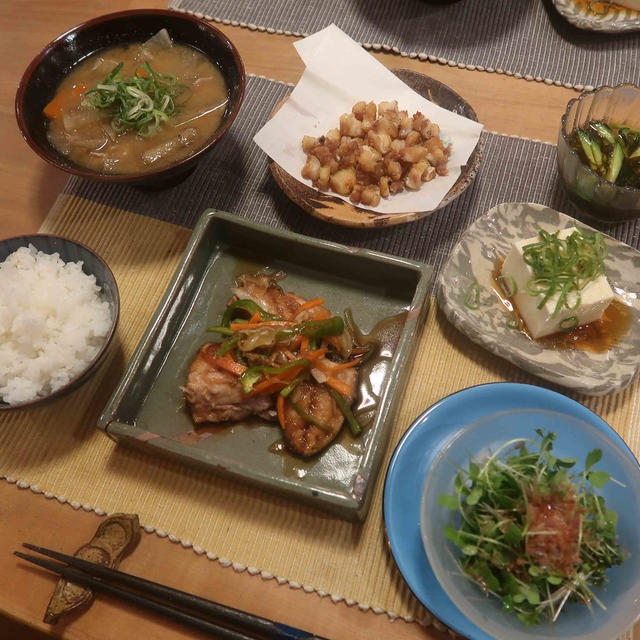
504	104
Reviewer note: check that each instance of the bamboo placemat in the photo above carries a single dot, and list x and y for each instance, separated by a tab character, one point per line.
235	177
57	450
525	38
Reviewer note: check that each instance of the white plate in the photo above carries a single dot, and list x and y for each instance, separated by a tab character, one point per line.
473	259
614	20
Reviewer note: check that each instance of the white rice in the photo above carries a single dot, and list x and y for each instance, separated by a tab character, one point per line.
53	322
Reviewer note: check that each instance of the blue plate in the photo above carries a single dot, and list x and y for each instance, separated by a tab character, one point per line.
413	457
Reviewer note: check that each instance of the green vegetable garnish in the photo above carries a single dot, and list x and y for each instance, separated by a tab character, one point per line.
612	151
564	266
250	307
292	385
333	326
307	417
142	102
472	296
509	285
225	331
253	374
513	322
591	149
228	344
531	532
343	405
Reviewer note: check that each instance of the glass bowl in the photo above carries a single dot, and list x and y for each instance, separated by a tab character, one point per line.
591	193
575	438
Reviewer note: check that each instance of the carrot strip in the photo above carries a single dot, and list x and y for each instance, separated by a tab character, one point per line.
255	318
268	387
277	381
314	355
304	343
229	365
280	405
338	367
321	314
290	374
339	386
241	326
309	304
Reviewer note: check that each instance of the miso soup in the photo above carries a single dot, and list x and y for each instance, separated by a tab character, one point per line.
138	107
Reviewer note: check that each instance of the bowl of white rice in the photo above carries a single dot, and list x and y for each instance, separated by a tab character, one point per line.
59	308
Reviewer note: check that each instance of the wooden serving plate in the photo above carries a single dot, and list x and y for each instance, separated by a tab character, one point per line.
336	211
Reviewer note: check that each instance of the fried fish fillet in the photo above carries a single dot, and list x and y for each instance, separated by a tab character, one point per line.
215	395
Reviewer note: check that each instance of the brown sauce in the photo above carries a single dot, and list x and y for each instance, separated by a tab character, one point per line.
597	337
385	335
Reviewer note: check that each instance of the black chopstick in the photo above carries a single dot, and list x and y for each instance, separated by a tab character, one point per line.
174	603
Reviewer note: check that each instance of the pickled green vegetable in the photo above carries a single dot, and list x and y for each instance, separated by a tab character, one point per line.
611	150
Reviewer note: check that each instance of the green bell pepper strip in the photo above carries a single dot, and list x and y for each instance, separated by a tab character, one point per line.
352	421
228	344
291	386
253	374
250	307
308	417
313	329
225	331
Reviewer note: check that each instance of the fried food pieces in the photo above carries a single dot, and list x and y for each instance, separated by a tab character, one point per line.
376	152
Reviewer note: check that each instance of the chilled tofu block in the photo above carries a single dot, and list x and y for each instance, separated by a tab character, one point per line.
595	297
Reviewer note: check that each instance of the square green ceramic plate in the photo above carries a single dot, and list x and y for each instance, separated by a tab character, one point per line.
147	408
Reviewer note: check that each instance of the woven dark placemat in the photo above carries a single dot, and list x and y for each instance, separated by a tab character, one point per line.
235	177
525	37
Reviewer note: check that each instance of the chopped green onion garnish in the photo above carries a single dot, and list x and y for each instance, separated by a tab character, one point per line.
564	266
569	323
472	296
142	102
508	285
513	323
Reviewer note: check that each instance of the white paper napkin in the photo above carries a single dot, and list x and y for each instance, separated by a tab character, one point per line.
339	73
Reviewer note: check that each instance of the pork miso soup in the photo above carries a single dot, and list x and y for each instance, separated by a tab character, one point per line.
137	108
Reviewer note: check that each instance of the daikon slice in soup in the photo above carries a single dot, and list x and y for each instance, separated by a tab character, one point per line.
136	108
